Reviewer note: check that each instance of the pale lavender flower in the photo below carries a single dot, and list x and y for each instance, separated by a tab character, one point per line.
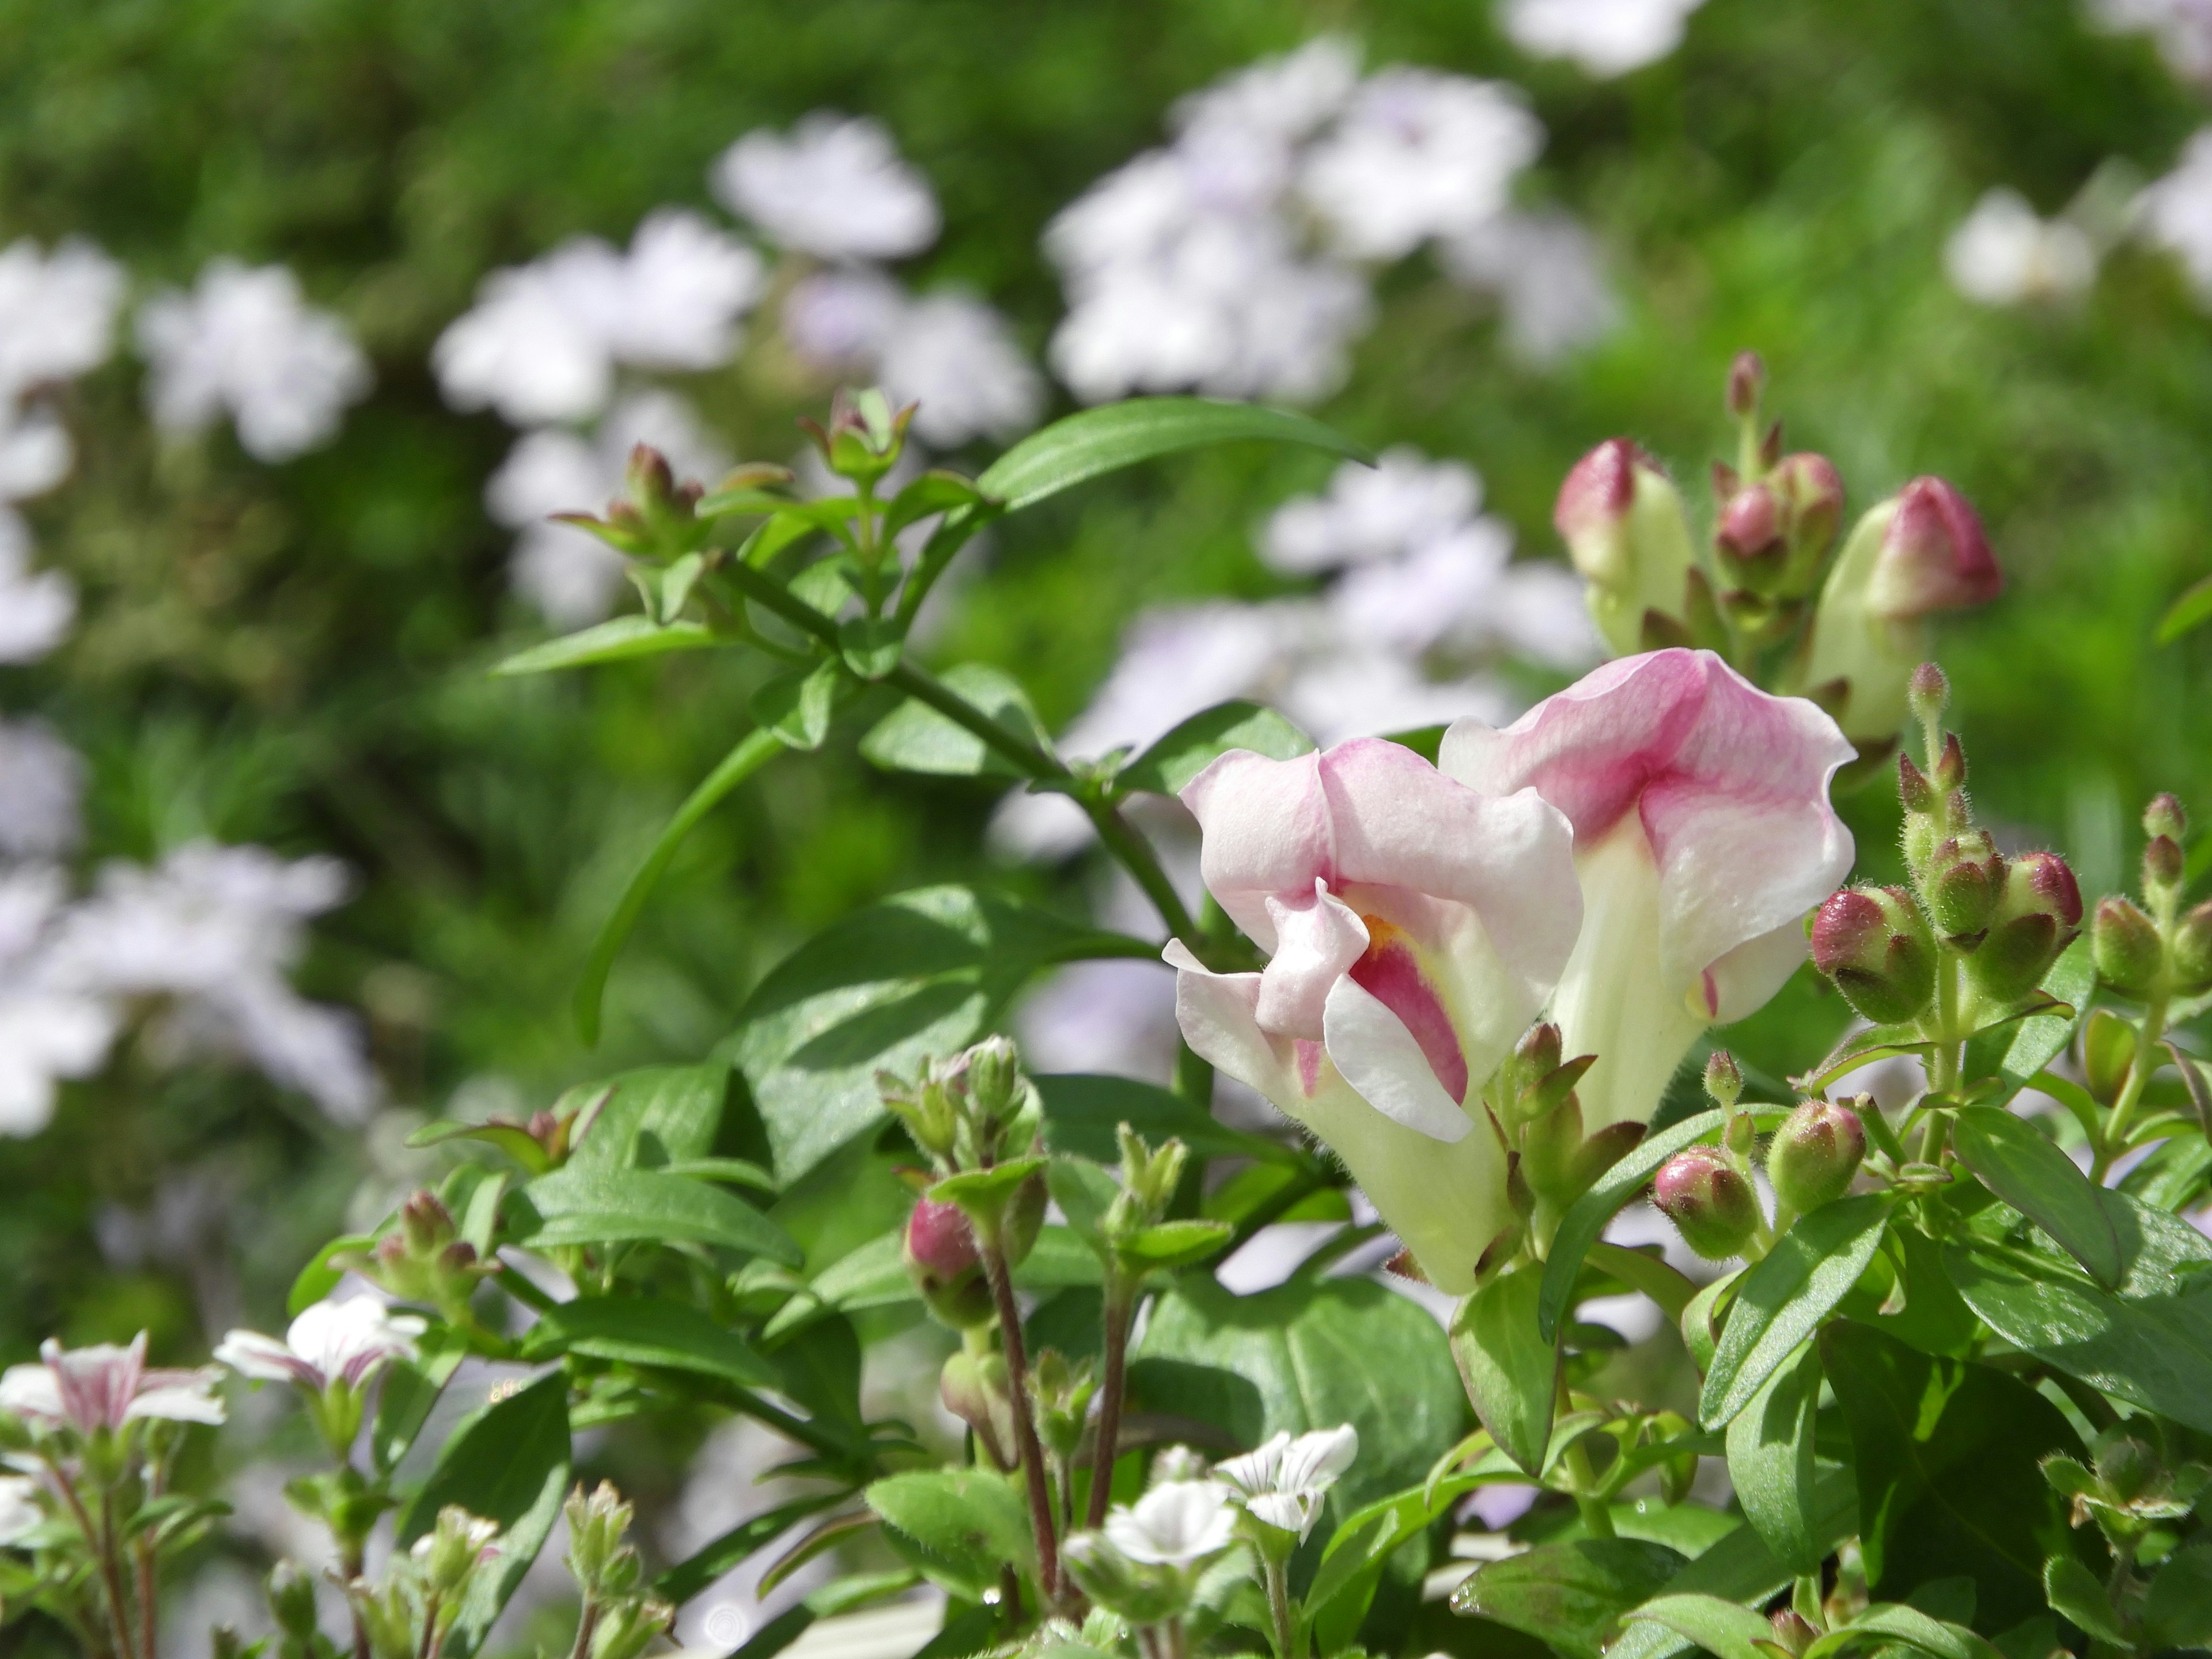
1550	282
35	451
2176	212
1436	591
842	317
1286	98
954	355
2004	252
1179	1523
47	1032
1606	37
331	1342
245	342
103	1387
835	188
1371	513
36	608
41	782
20	1512
1284	1482
1364	694
57	312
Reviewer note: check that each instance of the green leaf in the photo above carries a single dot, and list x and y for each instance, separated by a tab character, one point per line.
1888	1623
2022	1166
925	973
1511	1371
1945	1454
410	1387
968	1522
2188	613
619	1207
1571	1596
1770	1460
616	640
1084	1190
2075	1594
915	738
984	1187
2017	1051
1857	1049
1647	1270
509	1464
656	1116
2178	1611
1166	1245
1081	1112
872	646
647	1330
973	1631
1783	1299
1174	760
934	491
737	1172
696	1572
797	706
1315	1353
752	751
1721	1628
517	1143
1099	440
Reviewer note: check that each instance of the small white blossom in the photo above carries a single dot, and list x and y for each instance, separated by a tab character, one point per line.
36	608
685	285
247	340
2183	28
41	781
331	1342
1178	1524
1286	98
2004	252
104	1387
1371	513
949	352
48	1031
20	1514
1418	155
1284	1482
2176	212
835	188
35	451
57	313
1605	37
1547	273
1370	693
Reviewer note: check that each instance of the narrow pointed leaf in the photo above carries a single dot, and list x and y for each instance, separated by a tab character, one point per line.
2025	1168
1783	1299
1770	1460
1511	1370
616	640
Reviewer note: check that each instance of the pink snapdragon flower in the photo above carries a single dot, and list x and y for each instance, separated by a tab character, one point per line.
331	1342
1703	835
103	1387
1414	927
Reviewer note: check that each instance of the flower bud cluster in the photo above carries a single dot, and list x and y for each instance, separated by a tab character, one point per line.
971	1111
864	437
410	1610
1707	1192
1550	1161
622	1617
2156	949
424	1258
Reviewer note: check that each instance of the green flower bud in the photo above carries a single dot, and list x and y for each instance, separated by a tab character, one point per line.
1773	534
1060	1393
2108	1052
597	1525
450	1553
2193	951
1140	1593
1814	1155
2163	864
865	435
1710	1201
2038	916
1874	943
1746	381
2167	816
975	1389
1913	788
628	1626
1928	692
1539	1051
1622	520
2129	951
1964	877
1723	1079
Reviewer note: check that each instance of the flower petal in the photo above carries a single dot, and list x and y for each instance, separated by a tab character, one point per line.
265	1359
1266	830
1382	1061
1315	943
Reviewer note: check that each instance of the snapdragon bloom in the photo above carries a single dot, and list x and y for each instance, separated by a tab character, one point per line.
331	1342
1414	927
103	1387
1702	836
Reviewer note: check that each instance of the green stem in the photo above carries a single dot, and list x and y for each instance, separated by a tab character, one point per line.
1597	1519
1121	1306
99	1541
431	1611
587	1624
2139	1071
1279	1605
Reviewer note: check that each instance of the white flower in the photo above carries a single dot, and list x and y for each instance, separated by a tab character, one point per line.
1285	1481
1434	591
2004	252
1178	1524
20	1514
104	1387
331	1342
842	317
37	609
1371	513
2183	28
35	451
41	779
570	574
949	352
47	1032
684	287
1549	283
247	340
1606	37
1419	154
835	188
1365	694
57	312
1286	98
2176	212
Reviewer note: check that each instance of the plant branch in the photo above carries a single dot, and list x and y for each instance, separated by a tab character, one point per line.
2140	1067
1120	1305
1026	1434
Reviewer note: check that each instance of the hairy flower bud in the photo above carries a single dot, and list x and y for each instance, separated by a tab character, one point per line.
1793	1632
1964	878
1723	1079
2037	917
1914	790
2193	951
945	1265
1935	556
2128	949
1950	765
1874	943
1928	691
2167	816
1746	380
1710	1201
1773	534
1539	1051
1815	1153
2162	863
1621	519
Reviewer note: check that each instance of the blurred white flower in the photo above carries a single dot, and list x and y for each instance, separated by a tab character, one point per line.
346	1341
1418	155
41	781
949	351
57	312
1284	1482
20	1514
842	316
36	608
1432	592
543	340
46	1032
2176	212
35	451
247	340
570	574
1547	273
1285	99
1370	693
102	1386
1178	1523
835	188
2004	252
210	934
1605	37
1371	513
2183	28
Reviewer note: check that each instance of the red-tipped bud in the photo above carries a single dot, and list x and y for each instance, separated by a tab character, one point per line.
1539	1051
1928	692
2163	864
2193	951
1935	556
1723	1080
1746	380
1950	765
2167	816
1874	943
1592	509
1914	790
1751	523
1621	519
2128	949
2038	917
1773	534
1814	1155
945	1265
1709	1200
1964	880
1793	1632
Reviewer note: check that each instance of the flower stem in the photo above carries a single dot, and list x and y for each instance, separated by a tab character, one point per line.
586	1626
1026	1434
1279	1606
430	1643
1120	1305
2139	1070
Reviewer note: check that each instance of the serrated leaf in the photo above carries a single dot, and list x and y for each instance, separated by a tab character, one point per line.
2025	1168
619	640
588	1206
1095	441
1511	1371
915	738
1173	761
1782	1300
1570	1595
647	1330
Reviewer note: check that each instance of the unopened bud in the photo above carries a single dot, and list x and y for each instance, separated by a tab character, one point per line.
1793	1632
2038	917
451	1553
2108	1053
1746	381
945	1265
1815	1153
1723	1079
1964	880
1710	1201
2193	951
994	1077
1622	520
597	1524
1539	1051
2128	949
1874	943
976	1389
1935	556
1914	790
2162	863
1950	765
1928	692
2165	816
425	1222
1773	534
1140	1593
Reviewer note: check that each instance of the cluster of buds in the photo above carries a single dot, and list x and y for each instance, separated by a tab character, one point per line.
540	1144
1550	1162
409	1610
619	1617
864	437
1707	1191
2003	919
2127	1489
2154	950
1769	587
425	1260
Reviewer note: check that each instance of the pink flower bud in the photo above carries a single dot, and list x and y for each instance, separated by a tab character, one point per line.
1751	523
2128	949
1746	379
1793	1631
1539	1051
1621	519
1916	793
2193	951
2163	864
1874	943
939	1243
1964	879
1930	692
1592	512
1772	535
1709	1200
2038	916
1815	1153
1951	764
1934	555
2165	816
